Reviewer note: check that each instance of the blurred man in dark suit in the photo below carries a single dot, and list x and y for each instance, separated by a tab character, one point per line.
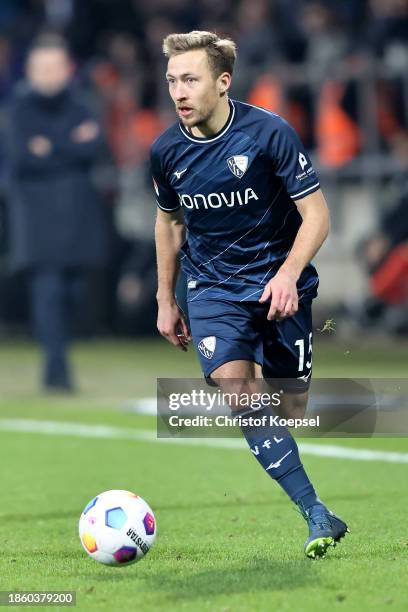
57	221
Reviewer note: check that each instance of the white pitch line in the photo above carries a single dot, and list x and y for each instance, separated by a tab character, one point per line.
62	428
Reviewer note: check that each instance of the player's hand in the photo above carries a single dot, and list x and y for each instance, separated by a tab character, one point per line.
282	292
172	325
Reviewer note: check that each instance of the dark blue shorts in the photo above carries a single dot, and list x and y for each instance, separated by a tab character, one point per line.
226	331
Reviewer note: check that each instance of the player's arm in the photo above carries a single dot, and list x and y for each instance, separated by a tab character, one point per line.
170	235
293	166
313	231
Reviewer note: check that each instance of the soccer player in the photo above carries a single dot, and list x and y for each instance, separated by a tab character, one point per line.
240	204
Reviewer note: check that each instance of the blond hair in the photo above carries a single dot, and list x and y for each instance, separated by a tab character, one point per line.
221	52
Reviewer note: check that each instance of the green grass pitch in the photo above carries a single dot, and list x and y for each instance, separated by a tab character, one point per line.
228	539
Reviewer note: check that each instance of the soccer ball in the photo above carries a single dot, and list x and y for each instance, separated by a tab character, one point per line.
117	528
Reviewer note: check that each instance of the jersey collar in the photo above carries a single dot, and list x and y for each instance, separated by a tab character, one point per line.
217	136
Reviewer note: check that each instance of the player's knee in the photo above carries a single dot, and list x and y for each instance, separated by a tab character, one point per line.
237	381
293	405
237	392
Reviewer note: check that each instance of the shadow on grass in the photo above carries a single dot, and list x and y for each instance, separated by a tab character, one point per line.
255	575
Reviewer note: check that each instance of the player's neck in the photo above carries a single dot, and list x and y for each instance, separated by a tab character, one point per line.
216	122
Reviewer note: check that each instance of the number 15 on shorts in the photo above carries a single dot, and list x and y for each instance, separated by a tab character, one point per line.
301	347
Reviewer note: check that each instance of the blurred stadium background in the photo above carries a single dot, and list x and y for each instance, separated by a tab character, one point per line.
336	71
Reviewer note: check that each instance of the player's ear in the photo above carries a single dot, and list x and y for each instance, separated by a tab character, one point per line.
224	82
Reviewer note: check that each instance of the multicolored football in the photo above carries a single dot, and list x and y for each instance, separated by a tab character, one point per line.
117	528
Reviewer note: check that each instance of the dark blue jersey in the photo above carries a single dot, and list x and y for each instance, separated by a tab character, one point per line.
236	190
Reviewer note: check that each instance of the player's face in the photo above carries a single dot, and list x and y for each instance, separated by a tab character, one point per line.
49	70
193	88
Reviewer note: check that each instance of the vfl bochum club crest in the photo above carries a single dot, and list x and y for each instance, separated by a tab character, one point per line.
207	346
238	164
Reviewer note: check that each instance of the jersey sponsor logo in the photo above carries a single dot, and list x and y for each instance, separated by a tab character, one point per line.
218	200
303	163
302	160
207	346
179	173
238	164
156	187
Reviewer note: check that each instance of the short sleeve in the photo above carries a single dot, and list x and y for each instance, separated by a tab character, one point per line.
166	198
291	162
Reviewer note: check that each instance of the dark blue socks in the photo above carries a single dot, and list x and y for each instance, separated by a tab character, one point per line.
277	452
